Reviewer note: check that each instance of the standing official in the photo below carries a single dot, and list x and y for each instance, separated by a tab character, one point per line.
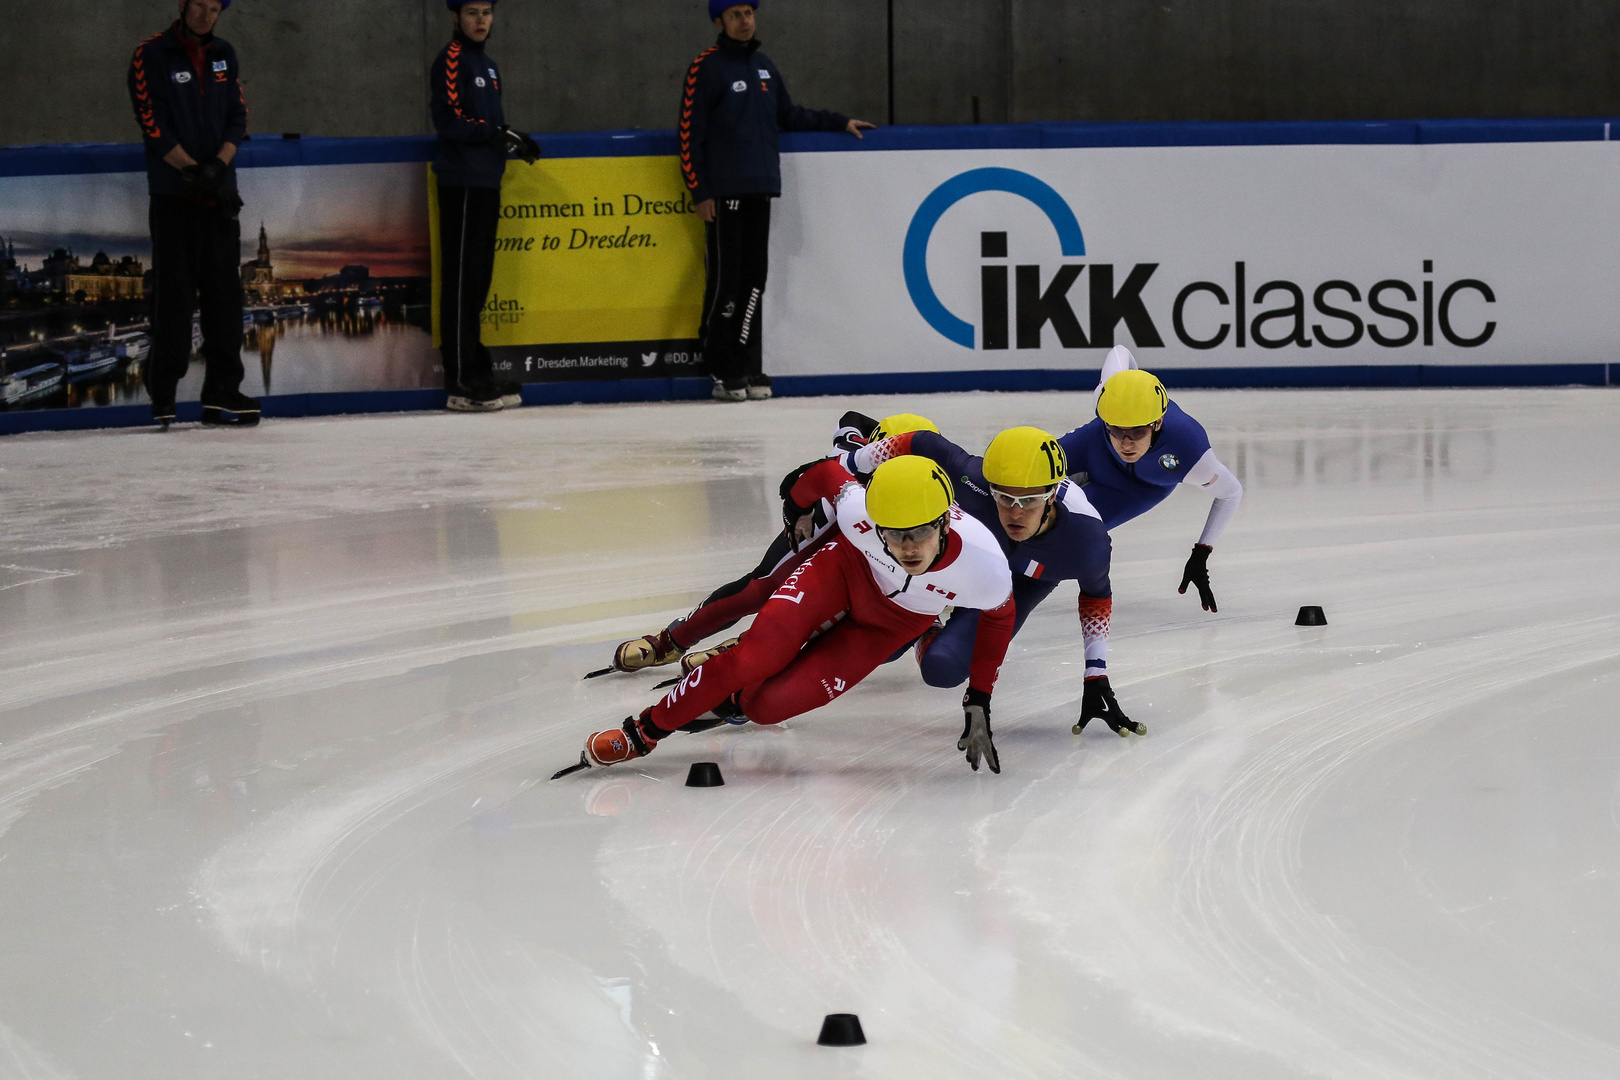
474	143
733	106
187	93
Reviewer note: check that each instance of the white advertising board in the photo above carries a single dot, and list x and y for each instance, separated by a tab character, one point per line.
1196	257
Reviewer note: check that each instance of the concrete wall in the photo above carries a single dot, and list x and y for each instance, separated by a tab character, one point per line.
358	67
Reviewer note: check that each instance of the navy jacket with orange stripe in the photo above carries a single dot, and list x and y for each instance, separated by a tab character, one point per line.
733	105
465	87
176	107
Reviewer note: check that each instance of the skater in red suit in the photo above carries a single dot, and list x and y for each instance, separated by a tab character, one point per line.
901	552
738	599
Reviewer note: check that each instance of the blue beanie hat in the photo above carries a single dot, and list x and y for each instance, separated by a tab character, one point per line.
718	6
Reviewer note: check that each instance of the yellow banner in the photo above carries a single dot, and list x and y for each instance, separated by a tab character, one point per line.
591	250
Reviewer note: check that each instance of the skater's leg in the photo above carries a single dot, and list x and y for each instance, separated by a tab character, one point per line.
755	221
812	598
219	294
946	660
742	597
828	668
174	298
483	218
723	314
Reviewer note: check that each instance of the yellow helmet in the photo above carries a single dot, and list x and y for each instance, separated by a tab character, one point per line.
1132	398
1024	457
902	424
906	492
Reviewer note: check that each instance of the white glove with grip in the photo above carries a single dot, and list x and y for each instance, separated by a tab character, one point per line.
976	738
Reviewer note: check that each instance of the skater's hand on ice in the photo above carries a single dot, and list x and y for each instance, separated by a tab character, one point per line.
976	738
1196	572
1099	703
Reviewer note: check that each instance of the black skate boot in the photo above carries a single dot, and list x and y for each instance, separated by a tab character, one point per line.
163	414
230	409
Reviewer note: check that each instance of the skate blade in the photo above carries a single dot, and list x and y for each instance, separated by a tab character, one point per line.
599	672
667	683
584	763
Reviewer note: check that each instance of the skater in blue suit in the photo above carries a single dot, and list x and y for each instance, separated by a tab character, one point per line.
1047	530
1138	450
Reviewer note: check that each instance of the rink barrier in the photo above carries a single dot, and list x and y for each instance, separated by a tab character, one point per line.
629	391
284	151
273	151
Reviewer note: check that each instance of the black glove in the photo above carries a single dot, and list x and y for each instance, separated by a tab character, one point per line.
520	145
976	738
209	175
1196	572
1099	703
854	431
792	511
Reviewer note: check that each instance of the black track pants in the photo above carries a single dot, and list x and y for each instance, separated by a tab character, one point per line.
739	240
196	252
467	221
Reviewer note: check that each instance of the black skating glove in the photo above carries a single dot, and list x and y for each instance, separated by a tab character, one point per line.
792	511
976	738
1099	703
854	431
210	174
1196	572
520	145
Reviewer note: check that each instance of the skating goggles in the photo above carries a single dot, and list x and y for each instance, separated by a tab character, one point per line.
1129	434
918	534
1022	502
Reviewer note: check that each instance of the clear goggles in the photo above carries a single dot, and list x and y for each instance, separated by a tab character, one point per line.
1129	434
1022	502
918	534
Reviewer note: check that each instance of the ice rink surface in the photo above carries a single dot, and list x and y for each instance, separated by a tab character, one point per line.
278	708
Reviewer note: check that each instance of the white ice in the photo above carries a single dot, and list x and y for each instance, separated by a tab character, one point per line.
277	708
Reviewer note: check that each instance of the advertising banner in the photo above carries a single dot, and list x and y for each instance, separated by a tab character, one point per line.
1196	257
598	272
334	269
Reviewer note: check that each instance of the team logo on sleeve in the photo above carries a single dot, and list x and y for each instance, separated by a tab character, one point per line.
1169	462
221	65
764	74
740	85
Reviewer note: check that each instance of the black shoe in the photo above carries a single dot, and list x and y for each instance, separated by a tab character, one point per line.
231	408
163	414
511	393
759	387
473	397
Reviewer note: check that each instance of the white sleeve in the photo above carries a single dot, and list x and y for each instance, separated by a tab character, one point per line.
1211	476
1119	359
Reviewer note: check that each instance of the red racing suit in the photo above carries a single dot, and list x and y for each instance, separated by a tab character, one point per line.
844	610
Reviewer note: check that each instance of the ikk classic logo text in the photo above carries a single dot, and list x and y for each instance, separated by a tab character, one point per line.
1017	308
